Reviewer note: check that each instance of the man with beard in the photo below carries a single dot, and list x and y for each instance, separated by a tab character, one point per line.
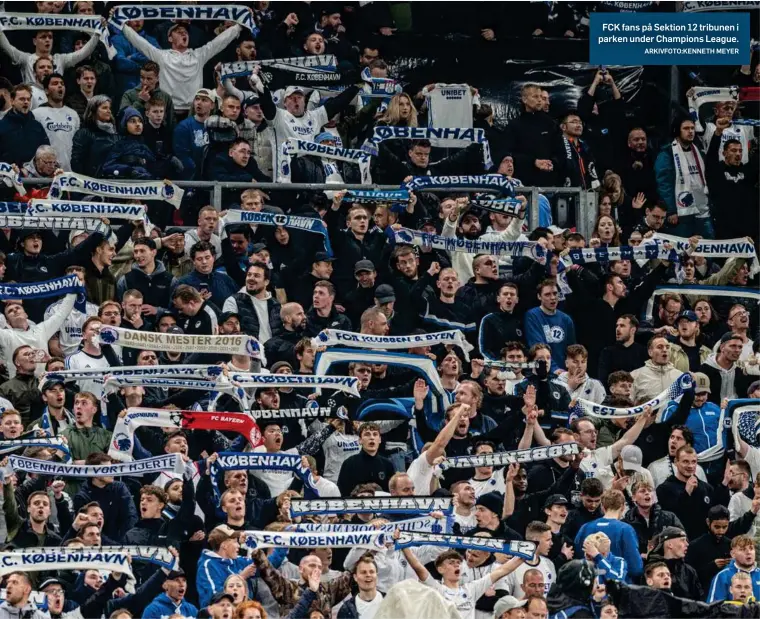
259	311
281	347
576	165
363	296
733	185
636	166
18	588
409	285
504	325
442	311
59	121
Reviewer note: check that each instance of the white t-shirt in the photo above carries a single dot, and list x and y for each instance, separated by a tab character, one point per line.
305	127
71	331
494	483
421	473
277	481
82	361
464	596
60	123
512	582
338	448
326	488
367	610
466	522
597	464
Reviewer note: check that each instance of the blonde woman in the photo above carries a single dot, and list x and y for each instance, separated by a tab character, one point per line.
400	112
236	586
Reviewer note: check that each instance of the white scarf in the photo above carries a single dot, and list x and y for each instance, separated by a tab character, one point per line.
506	458
383	504
242	68
707	248
294	146
11	172
371	540
525	550
336	337
167	462
169	342
52	559
70	208
203	12
425	524
674	392
143	190
91	24
684	197
702	291
709	94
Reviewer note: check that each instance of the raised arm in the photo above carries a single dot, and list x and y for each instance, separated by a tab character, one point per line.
52	325
629	438
505	569
74	58
145	48
16	55
414	563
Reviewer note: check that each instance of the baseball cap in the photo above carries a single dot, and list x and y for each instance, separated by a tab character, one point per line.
291	90
671	533
178	573
206	92
227	315
384	293
322	256
687	315
179	24
727	337
51	382
175	329
632	458
218	597
257	247
51	581
555	499
701	383
363	265
507	603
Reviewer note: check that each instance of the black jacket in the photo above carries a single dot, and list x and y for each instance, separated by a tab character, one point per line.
390	168
115	500
315	323
362	469
249	319
498	328
281	347
530	137
692	509
658	519
618	357
20	137
91	148
684	580
156	287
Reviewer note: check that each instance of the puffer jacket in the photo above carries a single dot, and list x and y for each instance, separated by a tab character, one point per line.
92	146
261	144
20	137
652	380
130	158
658	519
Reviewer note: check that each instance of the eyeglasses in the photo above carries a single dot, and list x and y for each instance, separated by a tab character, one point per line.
56	593
111	314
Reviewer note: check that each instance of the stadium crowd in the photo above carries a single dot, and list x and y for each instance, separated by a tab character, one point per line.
633	359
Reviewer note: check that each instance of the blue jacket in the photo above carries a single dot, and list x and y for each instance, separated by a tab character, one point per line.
117	503
611	567
665	172
623	541
213	570
128	60
163	607
704	424
130	158
190	142
722	581
220	285
557	331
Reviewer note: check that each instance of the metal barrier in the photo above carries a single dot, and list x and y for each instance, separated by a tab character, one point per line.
585	202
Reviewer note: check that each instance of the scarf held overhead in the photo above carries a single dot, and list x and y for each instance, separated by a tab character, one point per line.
69	284
122	440
371	540
506	206
168	342
69	208
384	505
505	458
91	24
51	559
308	412
292	222
585	407
58	444
498	182
707	248
295	147
698	290
474	136
143	190
336	337
699	95
611	254
167	462
296	64
209	12
524	550
513	249
425	524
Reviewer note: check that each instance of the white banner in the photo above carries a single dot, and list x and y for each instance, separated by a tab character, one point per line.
336	337
133	190
184	12
371	540
167	462
168	342
91	24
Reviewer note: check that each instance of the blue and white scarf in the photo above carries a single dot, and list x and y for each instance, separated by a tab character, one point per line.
511	249
420	364
311	411
371	540
505	206
13	208
138	468
591	409
336	337
377	88
12	173
489	182
58	444
399	198
707	248
209	372
424	524
53	559
243	68
204	12
522	549
57	287
228	461
291	222
91	24
372	505
346	384
505	458
142	190
699	95
386	132
70	208
702	291
46	421
298	148
611	254
750	122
